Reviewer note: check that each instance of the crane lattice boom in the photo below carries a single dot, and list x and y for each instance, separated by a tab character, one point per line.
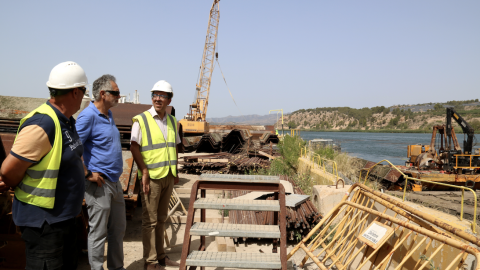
198	110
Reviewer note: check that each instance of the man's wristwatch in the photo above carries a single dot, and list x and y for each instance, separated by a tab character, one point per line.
89	173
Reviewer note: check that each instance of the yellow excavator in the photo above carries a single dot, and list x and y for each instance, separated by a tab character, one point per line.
194	123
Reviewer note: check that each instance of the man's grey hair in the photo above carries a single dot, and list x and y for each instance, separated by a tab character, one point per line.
102	84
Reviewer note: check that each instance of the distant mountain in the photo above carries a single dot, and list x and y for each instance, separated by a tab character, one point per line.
253	119
418	117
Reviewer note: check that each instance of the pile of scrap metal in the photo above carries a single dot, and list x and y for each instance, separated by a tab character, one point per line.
392	179
301	215
245	163
384	174
230	138
234	141
225	163
210	143
268	138
215	142
190	143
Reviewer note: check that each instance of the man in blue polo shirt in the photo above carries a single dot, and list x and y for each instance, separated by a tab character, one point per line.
103	160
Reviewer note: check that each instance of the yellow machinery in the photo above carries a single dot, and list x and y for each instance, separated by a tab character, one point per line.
195	122
448	155
414	151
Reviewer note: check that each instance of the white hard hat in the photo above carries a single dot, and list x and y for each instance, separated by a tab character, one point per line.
162	85
67	75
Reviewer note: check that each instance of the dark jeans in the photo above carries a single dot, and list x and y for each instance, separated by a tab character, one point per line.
51	247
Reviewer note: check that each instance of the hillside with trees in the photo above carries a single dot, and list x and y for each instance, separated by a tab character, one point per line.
399	118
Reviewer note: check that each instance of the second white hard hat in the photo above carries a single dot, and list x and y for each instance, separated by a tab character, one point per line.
67	75
164	86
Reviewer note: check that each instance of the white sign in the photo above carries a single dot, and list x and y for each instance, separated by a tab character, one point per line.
374	233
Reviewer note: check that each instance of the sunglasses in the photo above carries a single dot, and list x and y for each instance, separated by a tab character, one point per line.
113	93
160	96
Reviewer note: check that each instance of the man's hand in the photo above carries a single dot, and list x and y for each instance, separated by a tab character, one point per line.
13	170
96	178
146	183
3	186
176	180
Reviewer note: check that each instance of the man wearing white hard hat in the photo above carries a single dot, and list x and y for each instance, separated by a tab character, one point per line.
46	170
154	145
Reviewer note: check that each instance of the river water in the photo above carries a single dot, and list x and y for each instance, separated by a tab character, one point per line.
376	146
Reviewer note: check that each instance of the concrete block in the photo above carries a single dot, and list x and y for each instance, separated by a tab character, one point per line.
230	244
325	198
221	244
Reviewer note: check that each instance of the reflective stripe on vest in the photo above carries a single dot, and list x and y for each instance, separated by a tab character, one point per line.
40	180
159	155
150	145
36	190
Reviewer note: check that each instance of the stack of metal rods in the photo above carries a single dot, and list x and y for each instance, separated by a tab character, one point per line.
300	219
230	164
246	163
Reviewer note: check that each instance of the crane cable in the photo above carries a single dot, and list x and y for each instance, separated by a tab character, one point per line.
227	86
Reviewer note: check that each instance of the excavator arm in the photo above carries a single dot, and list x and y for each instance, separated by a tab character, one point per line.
466	128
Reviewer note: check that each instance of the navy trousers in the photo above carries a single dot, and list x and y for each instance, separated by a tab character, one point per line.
51	247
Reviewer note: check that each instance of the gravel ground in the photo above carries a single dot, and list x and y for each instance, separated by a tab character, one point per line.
133	238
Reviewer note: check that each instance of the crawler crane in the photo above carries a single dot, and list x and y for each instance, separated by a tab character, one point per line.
195	122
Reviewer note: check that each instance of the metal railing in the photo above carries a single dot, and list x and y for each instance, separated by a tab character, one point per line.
465	167
321	162
407	178
294	131
337	239
302	150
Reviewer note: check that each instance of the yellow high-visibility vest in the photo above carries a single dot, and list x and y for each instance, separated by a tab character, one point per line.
159	155
40	181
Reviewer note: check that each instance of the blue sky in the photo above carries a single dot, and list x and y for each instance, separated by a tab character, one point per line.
274	54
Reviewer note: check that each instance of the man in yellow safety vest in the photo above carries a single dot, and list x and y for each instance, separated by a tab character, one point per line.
154	142
46	169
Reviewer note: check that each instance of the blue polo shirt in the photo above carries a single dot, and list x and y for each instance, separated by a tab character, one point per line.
101	142
70	188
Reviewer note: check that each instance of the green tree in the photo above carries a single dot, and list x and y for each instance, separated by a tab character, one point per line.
291	124
437	107
394	121
475	125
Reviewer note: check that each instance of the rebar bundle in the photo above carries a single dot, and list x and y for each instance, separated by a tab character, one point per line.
300	219
225	163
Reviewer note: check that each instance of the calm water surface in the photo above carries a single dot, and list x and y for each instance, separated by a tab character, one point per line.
376	146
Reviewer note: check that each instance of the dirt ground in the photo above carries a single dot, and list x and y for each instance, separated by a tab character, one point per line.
133	237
